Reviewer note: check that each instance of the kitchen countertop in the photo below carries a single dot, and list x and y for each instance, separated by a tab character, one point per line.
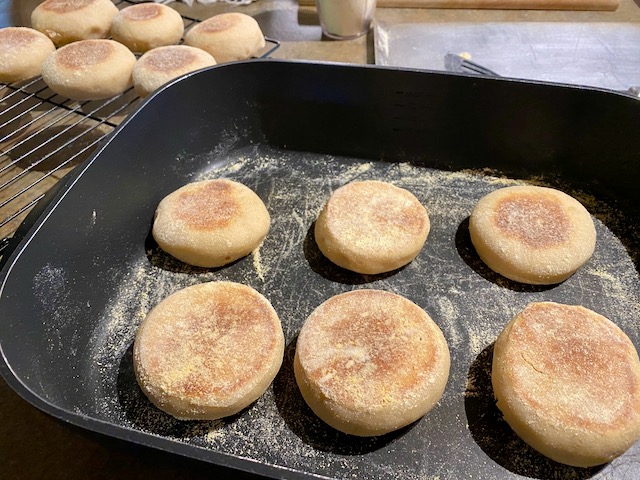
34	445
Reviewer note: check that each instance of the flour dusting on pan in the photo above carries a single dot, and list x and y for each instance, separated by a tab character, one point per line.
470	303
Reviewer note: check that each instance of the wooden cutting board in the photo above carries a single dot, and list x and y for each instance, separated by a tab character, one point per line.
608	5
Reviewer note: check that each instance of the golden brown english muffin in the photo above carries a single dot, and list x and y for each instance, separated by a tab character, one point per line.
208	351
89	69
66	21
22	52
369	362
371	227
227	37
530	234
211	223
567	381
160	65
144	26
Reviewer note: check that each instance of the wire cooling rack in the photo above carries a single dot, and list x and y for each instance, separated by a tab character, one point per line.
43	136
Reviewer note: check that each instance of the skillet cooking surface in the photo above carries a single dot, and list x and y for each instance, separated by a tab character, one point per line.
80	283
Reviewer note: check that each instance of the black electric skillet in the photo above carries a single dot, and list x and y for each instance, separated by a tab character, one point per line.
80	277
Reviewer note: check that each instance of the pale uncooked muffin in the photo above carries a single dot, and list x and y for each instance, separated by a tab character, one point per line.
531	234
208	351
567	381
160	65
89	69
227	37
22	52
66	21
371	227
369	362
144	26
211	223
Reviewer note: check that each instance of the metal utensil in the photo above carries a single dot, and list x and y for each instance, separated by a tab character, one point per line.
459	64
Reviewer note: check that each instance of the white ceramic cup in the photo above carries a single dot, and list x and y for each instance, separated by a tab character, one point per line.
345	19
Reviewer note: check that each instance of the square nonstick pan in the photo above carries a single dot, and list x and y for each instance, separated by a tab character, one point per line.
83	274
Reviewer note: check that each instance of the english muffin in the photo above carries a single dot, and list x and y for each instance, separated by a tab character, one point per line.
160	65
89	69
567	381
145	26
22	52
530	234
66	21
227	37
211	223
369	362
371	227
208	351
